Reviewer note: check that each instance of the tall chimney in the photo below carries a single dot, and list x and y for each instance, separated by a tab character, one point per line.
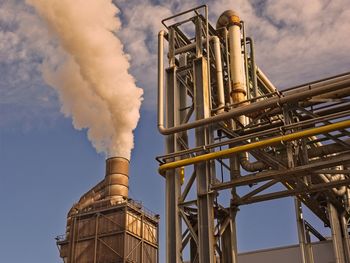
117	179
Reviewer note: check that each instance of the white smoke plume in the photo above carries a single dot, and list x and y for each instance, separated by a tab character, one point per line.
93	83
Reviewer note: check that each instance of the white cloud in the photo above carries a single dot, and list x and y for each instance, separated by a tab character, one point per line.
24	42
296	41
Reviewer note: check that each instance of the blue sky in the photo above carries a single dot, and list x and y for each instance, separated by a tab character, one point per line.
46	165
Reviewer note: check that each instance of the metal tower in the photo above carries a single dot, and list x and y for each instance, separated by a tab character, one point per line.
227	127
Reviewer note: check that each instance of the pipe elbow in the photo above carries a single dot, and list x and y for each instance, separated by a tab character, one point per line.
251	166
227	19
163	130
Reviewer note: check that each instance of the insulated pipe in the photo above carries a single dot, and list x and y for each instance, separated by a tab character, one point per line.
219	77
271	102
329	178
161	80
321	150
218	65
255	145
251	166
231	20
265	80
258	166
253	67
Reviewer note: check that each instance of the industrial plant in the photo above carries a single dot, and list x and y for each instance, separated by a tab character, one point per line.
232	139
106	226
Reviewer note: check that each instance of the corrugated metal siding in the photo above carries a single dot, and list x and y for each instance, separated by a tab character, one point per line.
132	248
149	254
110	249
150	232
121	233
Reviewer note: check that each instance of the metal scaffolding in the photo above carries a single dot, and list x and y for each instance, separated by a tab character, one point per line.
228	127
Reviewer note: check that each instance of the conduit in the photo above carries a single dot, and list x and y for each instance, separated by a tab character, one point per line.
255	145
219	76
264	104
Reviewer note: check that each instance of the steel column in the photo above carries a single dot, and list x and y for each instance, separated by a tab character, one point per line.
336	234
173	220
204	197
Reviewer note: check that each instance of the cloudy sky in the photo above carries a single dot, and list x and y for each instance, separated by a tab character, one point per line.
45	164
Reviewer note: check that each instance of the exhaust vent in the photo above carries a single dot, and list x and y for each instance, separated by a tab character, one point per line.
117	179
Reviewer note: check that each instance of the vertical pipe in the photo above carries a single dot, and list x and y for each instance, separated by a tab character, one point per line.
253	67
247	83
199	48
183	100
219	76
228	65
161	79
268	84
239	90
171	41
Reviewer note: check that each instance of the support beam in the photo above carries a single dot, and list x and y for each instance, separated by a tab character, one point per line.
336	234
172	180
203	170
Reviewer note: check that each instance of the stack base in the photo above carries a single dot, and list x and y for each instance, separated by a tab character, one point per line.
124	232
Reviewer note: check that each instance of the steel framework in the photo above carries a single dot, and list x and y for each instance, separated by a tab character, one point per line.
228	127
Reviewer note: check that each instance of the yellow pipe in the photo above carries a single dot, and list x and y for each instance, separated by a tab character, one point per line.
255	145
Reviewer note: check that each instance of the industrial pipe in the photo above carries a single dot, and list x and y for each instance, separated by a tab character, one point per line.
255	145
232	22
268	103
267	83
253	67
161	80
218	65
329	178
251	166
321	150
219	76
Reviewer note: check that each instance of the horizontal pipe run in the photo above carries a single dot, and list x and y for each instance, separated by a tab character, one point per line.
285	193
255	145
283	174
271	102
250	135
192	46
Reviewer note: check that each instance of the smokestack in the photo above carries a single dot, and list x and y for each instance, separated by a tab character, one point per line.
117	179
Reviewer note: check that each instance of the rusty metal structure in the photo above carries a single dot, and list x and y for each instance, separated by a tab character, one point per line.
106	226
228	128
